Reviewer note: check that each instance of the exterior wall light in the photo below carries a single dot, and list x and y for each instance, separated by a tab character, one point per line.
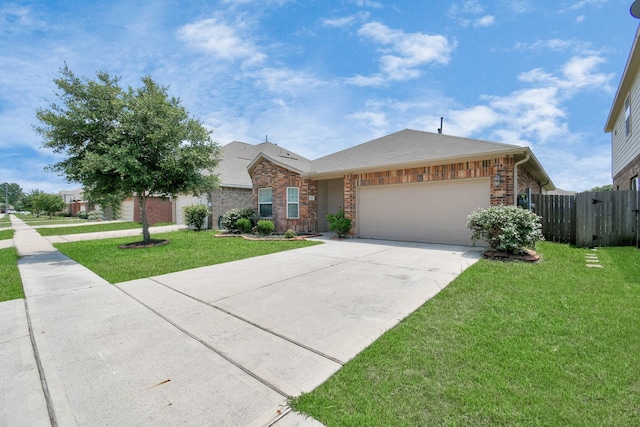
497	181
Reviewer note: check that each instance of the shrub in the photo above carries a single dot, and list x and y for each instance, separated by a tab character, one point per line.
230	218
265	227
195	215
244	225
506	228
82	215
94	215
339	224
290	234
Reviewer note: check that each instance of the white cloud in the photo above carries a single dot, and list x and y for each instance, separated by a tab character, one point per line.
485	21
368	3
287	81
221	40
403	53
584	3
376	120
345	21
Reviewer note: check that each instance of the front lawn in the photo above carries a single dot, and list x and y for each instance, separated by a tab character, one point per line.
36	221
91	228
10	283
187	249
554	343
6	234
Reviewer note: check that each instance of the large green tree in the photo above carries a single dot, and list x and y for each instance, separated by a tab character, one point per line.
123	142
49	203
11	193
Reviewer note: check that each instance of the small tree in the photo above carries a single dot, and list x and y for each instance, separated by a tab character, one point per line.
195	215
506	228
339	224
119	143
49	203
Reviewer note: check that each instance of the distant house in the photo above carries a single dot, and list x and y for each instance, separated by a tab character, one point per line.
410	185
74	200
624	124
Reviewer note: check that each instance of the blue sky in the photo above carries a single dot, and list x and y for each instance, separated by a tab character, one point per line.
318	76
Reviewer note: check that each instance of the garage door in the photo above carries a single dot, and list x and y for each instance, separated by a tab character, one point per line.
421	212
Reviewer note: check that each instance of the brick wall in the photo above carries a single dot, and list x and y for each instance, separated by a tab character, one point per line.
268	175
227	198
158	210
525	180
622	181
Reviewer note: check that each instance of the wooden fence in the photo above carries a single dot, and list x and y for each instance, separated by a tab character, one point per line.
603	218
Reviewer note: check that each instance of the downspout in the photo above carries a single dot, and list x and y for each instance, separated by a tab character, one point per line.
515	177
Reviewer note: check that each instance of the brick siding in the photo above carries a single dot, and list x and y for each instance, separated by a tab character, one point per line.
622	181
227	198
269	175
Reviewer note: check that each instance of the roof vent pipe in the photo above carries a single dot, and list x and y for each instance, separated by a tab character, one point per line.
440	128
515	177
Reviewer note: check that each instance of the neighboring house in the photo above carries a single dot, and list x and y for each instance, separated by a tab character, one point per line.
624	124
74	200
409	185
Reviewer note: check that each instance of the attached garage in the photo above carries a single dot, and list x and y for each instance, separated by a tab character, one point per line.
434	212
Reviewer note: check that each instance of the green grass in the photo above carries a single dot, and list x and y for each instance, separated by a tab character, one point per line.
509	344
6	234
5	221
187	249
36	221
10	283
89	228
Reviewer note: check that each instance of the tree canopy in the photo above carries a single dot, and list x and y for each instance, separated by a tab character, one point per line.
124	142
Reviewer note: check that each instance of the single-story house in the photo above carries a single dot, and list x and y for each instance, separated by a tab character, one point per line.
623	124
410	185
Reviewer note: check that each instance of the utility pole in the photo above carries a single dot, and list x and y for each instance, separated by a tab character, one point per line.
6	197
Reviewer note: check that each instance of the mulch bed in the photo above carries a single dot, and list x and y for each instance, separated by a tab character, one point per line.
527	256
141	245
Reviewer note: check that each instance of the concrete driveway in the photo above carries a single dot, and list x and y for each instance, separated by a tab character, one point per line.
218	345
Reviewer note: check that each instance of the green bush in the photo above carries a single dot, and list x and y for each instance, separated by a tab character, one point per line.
244	225
195	215
339	224
265	227
95	215
230	218
290	234
506	228
82	215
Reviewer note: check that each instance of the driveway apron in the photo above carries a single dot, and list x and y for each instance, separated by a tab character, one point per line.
218	345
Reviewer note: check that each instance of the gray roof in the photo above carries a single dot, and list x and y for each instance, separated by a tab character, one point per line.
403	148
400	149
238	156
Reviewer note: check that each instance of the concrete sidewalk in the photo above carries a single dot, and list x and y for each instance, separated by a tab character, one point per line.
219	345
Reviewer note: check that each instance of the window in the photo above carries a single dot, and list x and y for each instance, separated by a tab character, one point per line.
265	202
627	115
293	205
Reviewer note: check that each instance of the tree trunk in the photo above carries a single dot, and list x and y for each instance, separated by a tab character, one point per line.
142	200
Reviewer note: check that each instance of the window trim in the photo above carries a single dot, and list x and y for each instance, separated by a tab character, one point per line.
270	202
292	203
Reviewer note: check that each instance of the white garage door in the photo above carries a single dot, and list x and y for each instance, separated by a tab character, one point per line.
434	212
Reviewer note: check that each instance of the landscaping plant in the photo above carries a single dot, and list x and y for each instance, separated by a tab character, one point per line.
339	224
244	225
265	227
509	229
231	217
195	215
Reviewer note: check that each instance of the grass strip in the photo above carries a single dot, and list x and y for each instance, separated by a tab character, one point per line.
45	220
554	343
187	249
10	282
6	234
89	228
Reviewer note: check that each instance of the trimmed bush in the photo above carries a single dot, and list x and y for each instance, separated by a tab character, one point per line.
265	227
195	215
290	234
95	215
506	228
244	225
230	218
339	224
